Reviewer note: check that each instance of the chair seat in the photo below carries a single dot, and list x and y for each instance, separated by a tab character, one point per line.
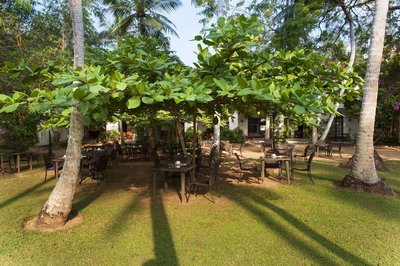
53	168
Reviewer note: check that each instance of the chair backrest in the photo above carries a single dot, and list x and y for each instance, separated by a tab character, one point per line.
307	149
310	159
113	155
119	148
101	163
240	162
48	160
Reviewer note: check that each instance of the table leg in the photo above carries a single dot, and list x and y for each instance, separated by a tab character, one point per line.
262	170
30	162
56	169
17	163
183	187
287	167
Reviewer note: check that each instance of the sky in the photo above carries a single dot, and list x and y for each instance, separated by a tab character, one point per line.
187	25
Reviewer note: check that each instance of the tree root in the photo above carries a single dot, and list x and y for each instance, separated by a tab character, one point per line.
353	184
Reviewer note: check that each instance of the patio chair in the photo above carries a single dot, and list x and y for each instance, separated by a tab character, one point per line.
206	180
49	165
307	168
209	159
323	146
335	148
309	148
113	157
237	147
120	150
226	149
98	166
245	167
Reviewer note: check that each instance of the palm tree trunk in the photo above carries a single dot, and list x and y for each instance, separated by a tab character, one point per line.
363	167
57	208
351	63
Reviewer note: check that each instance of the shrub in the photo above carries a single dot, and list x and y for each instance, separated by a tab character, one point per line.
234	136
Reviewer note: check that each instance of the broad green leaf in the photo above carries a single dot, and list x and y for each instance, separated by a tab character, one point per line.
121	86
299	109
79	93
147	100
246	92
9	108
133	102
4	98
191	98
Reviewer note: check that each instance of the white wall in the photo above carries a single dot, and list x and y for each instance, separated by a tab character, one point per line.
233	121
43	136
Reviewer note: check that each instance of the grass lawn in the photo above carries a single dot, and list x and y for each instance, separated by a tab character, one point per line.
249	224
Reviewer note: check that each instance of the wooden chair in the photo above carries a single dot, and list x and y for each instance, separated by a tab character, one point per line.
226	149
207	158
237	147
206	180
98	167
307	168
49	165
245	167
308	149
335	148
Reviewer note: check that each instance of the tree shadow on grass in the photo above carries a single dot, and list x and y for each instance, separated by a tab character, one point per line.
245	199
83	203
24	193
164	247
119	220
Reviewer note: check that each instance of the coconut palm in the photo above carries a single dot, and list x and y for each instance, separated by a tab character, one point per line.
363	167
143	17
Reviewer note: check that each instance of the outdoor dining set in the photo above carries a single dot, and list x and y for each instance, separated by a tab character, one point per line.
194	168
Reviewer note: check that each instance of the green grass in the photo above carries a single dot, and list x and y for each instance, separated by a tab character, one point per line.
295	225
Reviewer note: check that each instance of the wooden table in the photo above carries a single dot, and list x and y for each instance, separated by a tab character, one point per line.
280	159
183	169
17	160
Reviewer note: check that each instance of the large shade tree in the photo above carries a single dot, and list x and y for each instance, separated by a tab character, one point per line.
296	83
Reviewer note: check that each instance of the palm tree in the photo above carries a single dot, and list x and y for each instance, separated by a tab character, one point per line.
363	167
143	17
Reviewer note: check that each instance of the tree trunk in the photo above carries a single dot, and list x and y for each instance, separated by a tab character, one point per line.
267	134
56	209
78	31
363	167
314	136
351	63
194	138
217	133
